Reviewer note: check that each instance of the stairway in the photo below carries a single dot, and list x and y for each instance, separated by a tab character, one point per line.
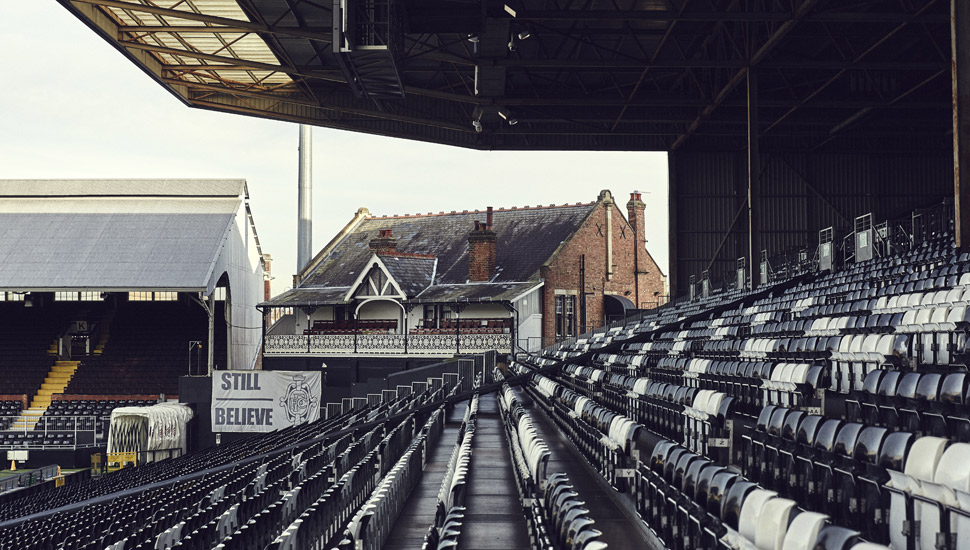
105	332
56	382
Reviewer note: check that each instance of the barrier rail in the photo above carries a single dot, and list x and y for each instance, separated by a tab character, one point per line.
53	432
440	345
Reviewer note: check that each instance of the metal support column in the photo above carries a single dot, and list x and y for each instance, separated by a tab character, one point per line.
754	180
672	228
227	315
262	318
960	51
211	310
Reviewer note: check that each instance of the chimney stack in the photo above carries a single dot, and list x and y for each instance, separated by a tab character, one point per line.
635	213
385	243
481	250
267	277
635	209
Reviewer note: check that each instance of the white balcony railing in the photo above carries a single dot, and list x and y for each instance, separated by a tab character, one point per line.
441	345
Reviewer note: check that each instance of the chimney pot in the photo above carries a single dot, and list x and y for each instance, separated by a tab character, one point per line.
488	218
384	243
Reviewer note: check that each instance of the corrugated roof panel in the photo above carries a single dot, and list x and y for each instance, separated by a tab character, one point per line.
243	46
111	240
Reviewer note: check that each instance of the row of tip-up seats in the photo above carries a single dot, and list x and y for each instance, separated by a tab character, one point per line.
924	403
445	532
899	488
555	511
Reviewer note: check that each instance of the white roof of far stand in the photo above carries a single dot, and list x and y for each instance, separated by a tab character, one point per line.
115	234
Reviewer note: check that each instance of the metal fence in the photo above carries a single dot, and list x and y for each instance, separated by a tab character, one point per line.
54	432
386	344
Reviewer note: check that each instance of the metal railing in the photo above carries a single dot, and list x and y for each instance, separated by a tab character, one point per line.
387	344
28	478
893	236
54	432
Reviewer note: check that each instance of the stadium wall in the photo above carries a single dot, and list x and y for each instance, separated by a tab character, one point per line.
239	259
801	194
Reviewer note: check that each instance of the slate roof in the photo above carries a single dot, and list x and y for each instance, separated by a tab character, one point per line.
296	297
111	234
525	239
474	292
413	274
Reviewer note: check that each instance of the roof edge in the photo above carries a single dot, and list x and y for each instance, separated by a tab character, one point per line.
24	290
565	242
464	212
361	214
530	290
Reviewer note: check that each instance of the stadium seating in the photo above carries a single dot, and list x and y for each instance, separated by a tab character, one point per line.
26	337
240	495
556	512
146	350
833	378
827	411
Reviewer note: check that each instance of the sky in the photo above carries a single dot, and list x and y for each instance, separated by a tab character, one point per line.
74	107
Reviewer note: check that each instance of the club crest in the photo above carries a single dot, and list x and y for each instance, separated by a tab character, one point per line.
298	401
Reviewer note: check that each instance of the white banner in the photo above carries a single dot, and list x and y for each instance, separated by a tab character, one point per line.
263	401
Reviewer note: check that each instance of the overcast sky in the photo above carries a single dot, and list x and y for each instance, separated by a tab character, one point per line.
73	107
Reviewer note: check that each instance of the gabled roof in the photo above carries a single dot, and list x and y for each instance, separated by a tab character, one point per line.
114	234
525	239
412	273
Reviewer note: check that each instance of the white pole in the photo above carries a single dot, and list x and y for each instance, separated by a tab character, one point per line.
304	230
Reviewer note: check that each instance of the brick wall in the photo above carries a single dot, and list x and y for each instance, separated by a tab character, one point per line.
563	272
481	253
23	398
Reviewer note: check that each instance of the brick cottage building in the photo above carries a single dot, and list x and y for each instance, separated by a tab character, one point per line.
439	285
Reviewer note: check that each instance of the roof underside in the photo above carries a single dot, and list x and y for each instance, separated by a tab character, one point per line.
603	75
113	235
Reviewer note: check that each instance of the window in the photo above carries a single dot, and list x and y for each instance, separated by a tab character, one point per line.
155	296
565	316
